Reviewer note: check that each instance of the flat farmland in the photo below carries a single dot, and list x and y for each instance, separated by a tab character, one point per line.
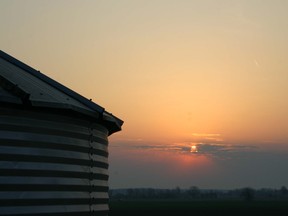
151	207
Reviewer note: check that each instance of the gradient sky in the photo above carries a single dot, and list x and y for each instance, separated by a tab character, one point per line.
212	74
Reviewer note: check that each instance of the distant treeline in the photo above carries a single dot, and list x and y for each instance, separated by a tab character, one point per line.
195	193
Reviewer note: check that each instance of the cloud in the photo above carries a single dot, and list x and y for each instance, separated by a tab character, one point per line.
220	166
224	150
208	147
202	137
214	165
205	135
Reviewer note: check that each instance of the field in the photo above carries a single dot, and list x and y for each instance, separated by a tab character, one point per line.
139	208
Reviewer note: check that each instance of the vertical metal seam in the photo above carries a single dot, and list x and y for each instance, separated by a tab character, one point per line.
91	166
90	172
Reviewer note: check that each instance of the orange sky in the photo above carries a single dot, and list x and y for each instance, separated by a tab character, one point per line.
210	72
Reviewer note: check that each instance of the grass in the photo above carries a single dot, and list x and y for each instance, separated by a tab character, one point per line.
138	208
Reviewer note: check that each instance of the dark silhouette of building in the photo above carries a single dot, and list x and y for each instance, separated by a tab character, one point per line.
53	146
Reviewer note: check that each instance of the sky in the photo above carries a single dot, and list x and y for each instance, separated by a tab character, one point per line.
200	84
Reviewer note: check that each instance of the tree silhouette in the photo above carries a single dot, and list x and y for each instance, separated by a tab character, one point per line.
248	194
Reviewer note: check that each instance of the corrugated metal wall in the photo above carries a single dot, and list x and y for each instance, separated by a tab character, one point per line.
52	165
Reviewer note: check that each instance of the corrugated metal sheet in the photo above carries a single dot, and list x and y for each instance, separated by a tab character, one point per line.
52	164
8	97
53	146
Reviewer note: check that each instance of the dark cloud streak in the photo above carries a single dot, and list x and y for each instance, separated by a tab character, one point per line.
210	149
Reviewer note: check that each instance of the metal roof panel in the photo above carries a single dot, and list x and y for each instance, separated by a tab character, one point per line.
26	83
38	90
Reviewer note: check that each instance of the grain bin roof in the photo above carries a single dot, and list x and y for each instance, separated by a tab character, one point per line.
22	85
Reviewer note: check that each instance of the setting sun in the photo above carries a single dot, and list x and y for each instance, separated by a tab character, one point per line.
194	149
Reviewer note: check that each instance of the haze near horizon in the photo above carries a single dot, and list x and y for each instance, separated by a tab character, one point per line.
201	84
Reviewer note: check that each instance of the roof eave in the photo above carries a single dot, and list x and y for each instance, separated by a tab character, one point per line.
52	82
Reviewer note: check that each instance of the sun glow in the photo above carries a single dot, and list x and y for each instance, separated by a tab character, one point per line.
194	149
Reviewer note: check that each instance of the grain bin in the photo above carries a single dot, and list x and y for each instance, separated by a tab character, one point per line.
53	146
